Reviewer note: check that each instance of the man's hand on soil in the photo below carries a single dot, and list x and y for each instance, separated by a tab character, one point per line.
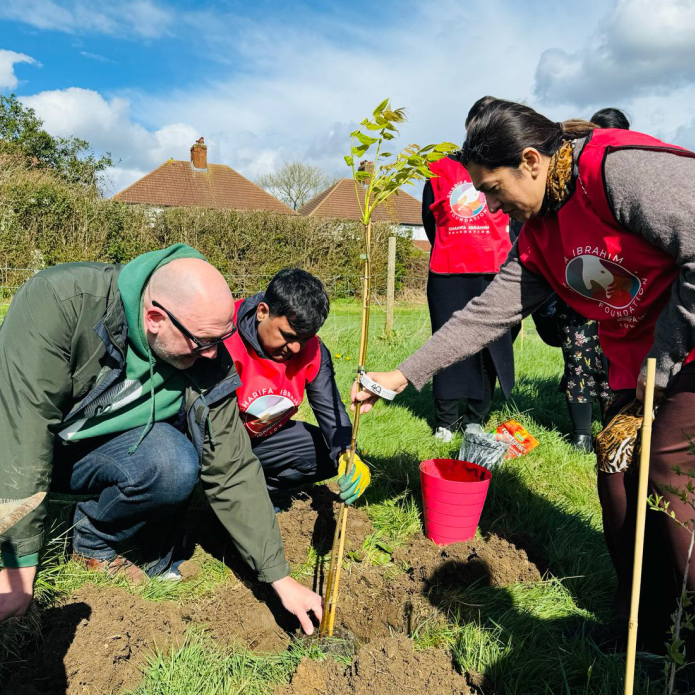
299	600
16	591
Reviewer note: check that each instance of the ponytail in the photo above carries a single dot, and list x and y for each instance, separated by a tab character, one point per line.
576	128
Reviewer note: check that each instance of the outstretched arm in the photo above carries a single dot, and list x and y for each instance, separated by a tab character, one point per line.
511	296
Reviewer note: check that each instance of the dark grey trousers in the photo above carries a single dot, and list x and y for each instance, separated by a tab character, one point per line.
294	456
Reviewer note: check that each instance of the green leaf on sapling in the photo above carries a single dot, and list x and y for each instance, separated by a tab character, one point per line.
378	110
365	139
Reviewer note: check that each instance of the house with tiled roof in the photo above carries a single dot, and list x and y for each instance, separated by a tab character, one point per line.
339	202
197	183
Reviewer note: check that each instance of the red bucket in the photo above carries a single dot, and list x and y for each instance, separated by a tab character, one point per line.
453	495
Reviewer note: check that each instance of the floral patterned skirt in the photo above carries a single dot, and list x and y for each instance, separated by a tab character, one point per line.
585	379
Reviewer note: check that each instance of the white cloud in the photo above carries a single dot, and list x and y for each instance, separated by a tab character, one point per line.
640	48
8	59
108	127
297	89
304	87
138	18
97	57
685	136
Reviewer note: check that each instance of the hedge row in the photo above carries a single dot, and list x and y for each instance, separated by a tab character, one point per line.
44	221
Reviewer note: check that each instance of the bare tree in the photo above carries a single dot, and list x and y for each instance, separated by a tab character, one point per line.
296	183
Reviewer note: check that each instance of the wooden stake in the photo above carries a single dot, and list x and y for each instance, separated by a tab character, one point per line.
338	547
643	488
390	285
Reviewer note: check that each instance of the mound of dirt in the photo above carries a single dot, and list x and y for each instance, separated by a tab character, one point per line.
374	604
95	643
491	560
390	667
311	521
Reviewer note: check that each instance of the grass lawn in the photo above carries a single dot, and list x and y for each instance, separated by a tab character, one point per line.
527	638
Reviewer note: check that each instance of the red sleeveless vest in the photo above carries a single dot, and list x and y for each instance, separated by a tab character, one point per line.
270	392
469	238
600	269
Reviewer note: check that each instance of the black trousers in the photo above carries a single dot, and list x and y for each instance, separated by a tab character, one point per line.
446	410
294	456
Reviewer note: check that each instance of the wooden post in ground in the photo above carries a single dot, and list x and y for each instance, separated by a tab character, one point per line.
390	285
642	493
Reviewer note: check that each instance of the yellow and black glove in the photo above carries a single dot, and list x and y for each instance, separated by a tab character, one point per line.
352	486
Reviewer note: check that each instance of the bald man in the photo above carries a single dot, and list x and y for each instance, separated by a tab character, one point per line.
112	386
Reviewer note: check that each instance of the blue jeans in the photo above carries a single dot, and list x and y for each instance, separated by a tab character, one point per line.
138	493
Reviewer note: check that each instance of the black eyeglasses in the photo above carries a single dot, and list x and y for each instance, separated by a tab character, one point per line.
200	345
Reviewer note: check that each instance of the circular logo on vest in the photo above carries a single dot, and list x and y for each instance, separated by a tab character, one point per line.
466	202
267	411
602	280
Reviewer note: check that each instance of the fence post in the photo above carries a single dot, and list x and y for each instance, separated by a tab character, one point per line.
390	285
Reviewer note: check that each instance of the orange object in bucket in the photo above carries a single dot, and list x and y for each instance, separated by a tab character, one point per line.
453	496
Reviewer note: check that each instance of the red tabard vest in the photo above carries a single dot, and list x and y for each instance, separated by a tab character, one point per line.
600	269
470	239
270	392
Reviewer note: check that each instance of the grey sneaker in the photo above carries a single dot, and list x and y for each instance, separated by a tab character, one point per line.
444	435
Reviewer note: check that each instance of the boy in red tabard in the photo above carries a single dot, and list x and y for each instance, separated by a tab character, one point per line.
279	359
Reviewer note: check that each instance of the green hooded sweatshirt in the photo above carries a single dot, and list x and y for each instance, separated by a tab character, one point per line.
152	390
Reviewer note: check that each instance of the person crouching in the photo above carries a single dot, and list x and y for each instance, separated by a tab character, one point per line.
279	359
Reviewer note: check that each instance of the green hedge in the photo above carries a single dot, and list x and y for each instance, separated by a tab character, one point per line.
44	221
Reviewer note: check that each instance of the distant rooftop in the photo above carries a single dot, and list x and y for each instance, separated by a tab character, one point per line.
339	202
197	183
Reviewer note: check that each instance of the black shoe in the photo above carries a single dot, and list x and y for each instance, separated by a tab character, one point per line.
582	442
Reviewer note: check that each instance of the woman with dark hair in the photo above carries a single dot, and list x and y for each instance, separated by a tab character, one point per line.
608	218
469	244
585	378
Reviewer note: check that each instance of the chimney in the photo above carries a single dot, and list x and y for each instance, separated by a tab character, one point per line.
199	155
366	166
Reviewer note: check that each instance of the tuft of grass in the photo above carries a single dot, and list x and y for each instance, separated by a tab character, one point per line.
398	517
201	667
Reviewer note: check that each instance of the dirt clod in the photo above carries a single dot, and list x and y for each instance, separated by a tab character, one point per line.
492	560
233	614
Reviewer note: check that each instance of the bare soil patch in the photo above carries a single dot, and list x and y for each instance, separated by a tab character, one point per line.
389	667
97	639
96	642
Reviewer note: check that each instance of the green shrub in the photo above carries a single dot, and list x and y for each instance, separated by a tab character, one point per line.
44	221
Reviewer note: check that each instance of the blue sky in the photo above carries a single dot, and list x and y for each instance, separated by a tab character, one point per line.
266	81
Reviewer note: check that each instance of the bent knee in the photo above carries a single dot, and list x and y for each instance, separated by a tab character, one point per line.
171	465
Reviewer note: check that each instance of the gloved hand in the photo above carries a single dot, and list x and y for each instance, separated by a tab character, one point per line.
352	486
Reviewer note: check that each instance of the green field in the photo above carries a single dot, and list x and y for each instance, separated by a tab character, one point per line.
527	638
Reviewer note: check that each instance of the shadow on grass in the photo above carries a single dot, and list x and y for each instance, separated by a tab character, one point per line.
531	651
557	541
